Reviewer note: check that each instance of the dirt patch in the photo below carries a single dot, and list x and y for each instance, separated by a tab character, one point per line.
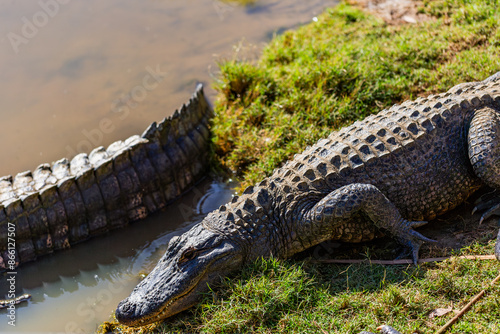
457	229
394	12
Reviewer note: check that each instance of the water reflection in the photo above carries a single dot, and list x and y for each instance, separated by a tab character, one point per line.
79	288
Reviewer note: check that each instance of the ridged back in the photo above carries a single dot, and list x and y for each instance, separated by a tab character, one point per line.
415	153
65	202
406	151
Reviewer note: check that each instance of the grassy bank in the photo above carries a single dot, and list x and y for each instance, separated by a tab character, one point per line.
327	74
342	68
303	297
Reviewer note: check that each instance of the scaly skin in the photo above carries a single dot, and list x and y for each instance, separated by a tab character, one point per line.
59	205
387	173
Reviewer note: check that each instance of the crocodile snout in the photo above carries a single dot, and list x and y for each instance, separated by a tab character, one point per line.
126	313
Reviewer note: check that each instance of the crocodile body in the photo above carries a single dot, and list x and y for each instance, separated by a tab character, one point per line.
66	202
387	173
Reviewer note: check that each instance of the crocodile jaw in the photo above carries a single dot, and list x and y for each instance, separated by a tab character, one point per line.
139	310
175	286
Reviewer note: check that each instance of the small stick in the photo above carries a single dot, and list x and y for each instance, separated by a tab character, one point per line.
436	259
407	261
466	307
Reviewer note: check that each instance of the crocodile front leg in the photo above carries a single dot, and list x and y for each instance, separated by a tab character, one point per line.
341	204
484	154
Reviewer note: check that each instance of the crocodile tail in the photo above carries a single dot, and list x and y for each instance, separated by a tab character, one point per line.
66	202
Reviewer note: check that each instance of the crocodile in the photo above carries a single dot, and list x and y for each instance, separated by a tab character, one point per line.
386	174
66	202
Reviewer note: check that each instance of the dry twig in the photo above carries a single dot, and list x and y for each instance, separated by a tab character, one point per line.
466	307
406	261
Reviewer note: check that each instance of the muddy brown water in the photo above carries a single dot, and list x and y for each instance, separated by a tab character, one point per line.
75	290
79	74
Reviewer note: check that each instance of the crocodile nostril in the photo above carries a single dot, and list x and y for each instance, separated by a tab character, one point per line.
125	312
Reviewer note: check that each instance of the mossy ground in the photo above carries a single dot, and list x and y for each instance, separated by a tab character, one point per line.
321	77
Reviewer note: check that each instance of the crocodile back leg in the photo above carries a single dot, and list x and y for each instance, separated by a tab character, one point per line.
484	145
484	154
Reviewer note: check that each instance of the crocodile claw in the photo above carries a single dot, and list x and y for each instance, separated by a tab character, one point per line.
494	211
415	224
488	197
490	202
412	241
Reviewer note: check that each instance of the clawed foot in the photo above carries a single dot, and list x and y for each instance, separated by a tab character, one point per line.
412	240
489	202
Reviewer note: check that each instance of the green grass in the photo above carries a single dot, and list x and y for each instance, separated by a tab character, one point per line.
272	296
339	69
307	83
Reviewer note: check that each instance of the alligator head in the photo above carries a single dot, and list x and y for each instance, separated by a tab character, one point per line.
192	262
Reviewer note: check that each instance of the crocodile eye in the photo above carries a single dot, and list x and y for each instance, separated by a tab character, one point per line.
188	254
